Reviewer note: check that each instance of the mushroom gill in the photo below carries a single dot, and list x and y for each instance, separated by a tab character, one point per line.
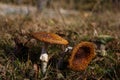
81	56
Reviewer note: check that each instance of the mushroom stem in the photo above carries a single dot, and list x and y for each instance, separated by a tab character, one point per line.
61	62
44	58
68	48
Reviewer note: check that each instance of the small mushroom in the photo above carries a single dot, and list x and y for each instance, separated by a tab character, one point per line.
81	56
47	38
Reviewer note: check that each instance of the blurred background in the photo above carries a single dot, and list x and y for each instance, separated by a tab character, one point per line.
71	4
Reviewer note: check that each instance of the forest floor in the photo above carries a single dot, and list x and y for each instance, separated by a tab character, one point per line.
73	25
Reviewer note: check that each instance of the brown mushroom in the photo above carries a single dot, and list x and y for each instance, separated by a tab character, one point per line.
47	38
81	56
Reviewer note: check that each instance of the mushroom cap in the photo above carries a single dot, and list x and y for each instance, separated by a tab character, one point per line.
49	38
81	56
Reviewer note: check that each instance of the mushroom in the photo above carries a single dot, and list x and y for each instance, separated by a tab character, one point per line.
81	56
47	38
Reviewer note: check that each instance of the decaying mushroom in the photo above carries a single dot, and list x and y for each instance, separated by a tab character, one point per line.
81	56
47	38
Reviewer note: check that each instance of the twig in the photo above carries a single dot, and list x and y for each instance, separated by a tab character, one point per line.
116	75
